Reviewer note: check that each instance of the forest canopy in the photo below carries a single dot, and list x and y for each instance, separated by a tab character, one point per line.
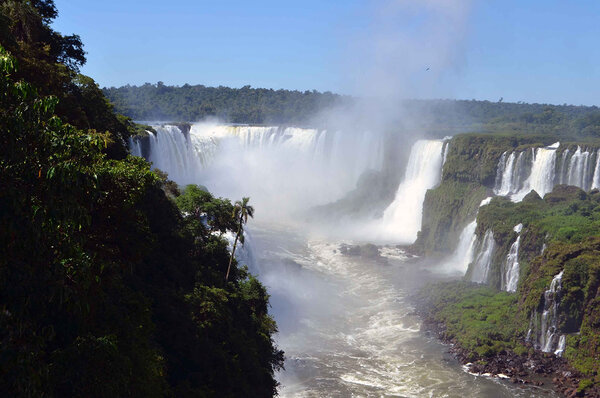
107	287
247	105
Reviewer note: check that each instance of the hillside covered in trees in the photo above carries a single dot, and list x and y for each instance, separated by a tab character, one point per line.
247	105
244	105
107	288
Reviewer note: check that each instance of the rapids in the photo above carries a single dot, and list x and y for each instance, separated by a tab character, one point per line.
347	326
345	322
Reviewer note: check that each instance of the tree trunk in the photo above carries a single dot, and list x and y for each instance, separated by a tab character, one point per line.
233	251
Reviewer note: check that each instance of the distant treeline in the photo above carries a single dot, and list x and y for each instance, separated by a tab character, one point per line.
569	121
267	106
234	105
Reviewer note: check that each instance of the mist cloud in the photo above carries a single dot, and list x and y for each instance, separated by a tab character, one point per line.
390	57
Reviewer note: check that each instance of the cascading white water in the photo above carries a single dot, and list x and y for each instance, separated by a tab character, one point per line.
510	180
504	174
463	255
549	323
562	342
596	178
465	250
135	146
285	170
446	149
402	218
171	151
511	276
243	253
574	168
541	178
483	261
510	175
562	174
578	171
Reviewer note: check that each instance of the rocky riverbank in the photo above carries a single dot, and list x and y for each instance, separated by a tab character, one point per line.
533	368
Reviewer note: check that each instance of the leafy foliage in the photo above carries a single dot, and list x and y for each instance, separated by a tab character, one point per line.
241	211
50	62
106	289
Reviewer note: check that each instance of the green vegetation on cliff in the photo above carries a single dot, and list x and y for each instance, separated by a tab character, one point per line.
476	317
106	287
561	232
567	214
447	209
468	177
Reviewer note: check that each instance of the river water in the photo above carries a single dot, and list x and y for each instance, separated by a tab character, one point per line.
345	323
347	328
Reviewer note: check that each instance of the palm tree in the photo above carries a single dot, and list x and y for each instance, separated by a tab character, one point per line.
241	212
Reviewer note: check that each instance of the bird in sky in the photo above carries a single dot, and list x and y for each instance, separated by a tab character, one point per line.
427	69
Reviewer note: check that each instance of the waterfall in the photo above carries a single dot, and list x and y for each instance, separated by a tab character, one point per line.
563	167
283	169
244	252
135	146
446	148
596	177
510	180
481	266
402	218
172	151
547	337
465	250
511	275
541	178
562	342
575	168
504	174
510	175
463	255
578	171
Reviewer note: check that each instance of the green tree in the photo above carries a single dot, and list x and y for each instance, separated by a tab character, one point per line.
241	212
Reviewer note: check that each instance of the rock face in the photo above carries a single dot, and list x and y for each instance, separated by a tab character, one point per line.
481	165
367	251
533	367
538	256
469	175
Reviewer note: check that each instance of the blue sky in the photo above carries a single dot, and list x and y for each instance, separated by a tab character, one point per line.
533	51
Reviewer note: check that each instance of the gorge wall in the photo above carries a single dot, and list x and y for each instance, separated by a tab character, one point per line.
515	213
521	216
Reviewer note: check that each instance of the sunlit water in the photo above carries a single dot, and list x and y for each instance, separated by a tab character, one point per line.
348	330
345	323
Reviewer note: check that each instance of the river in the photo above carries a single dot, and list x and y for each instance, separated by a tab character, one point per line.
347	328
345	323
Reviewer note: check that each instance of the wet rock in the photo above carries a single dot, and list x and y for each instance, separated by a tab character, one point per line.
350	250
367	251
535	368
